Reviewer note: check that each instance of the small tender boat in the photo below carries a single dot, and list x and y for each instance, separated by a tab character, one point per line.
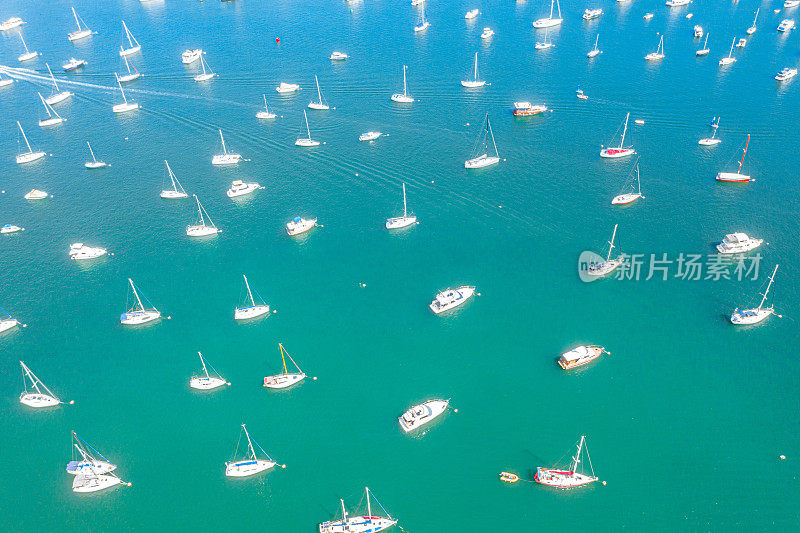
786	25
251	464
571	477
786	74
241	188
698	31
743	317
482	154
474	82
594	52
549	22
73	64
403	221
80	252
176	192
306	141
133	44
658	55
139	314
250	309
225	158
711	141
84	463
338	56
741	43
8	229
35	194
27	55
201	229
424	413
131	75
487	34
207	381
53	118
57	96
589	14
632	190
580	94
300	225
40	396
526	109
508	477
190	56
369	136
94	163
267	113
30	155
451	298
320	104
10	24
703	51
287	88
737	243
620	151
607	266
125	106
582	355
725	61
752	29
647	16
471	14
83	30
7	321
736	177
359	524
285	379
791	3
678	3
206	75
404	97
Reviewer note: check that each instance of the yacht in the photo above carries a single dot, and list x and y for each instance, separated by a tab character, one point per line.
30	155
306	141
10	24
698	32
139	314
752	29
267	113
80	252
607	266
94	163
240	188
285	379
484	154
736	177
472	14
5	82
8	229
526	109
403	221
225	158
744	317
177	192
84	462
713	140
300	225
83	30
572	476
589	14
658	55
73	64
404	97
549	22
632	190
703	51
58	95
287	88
475	82
580	356
678	3
39	396
125	106
338	56
35	194
206	75
424	413
251	464
725	61
190	56
487	34
27	55
371	523
201	229
648	16
53	118
737	243
422	23
786	74
250	309
620	151
7	321
594	52
369	136
786	25
451	298
791	3
320	104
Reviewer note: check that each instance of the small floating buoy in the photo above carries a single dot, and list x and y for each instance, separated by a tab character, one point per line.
356	174
112	253
604	483
431	181
323	142
126	138
281	116
467	124
314	378
169	318
228	384
455	410
499	207
782	457
129	484
4	192
24	325
479	294
51	196
274	311
283	466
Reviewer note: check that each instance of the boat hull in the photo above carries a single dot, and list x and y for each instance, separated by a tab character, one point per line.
129	77
287	88
318	106
265	115
38	401
54	121
402	99
205	77
296	228
625	199
561	479
709	142
357	524
9	229
603	269
137	318
472	84
547	23
582	355
222	160
125	108
78	35
249	313
8	324
283	381
306	143
206	383
201	231
249	188
29	157
247	468
481	162
369	136
615	153
94	483
746	317
58	98
77	468
732	177
94	165
400	222
28	56
173	195
129	51
451	298
6	82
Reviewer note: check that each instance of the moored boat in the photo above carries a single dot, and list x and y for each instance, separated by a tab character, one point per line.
737	243
300	225
424	413
527	109
80	252
745	317
451	298
251	464
736	177
368	523
139	314
285	379
571	477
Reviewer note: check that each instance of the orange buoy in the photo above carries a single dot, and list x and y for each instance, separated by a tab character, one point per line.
508	477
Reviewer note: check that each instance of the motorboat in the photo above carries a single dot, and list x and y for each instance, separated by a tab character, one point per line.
287	88
300	225
487	34
647	16
424	413
80	252
580	356
73	64
206	380
10	24
698	31
737	243
285	379
241	188
472	14
369	136
786	25
451	298
338	56
36	194
8	229
190	56
508	477
527	109
741	43
791	3
786	74
589	14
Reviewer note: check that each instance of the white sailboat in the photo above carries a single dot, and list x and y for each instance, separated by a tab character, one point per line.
658	55
632	190
422	23
207	381
703	51
609	265
743	317
84	461
571	477
267	113
40	396
403	221
251	464
549	22
620	151
133	44
27	55
368	523
482	156
320	104
131	75
58	95
30	155
83	30
250	309
125	106
725	61
241	188
207	74
306	141
225	158
201	229
94	163
7	321
285	379
594	52
546	44
752	29
53	118
711	141
176	192
404	97
138	313
474	82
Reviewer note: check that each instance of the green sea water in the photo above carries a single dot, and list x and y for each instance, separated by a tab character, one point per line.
686	419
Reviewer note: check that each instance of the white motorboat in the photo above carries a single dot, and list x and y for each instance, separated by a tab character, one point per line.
73	64
474	82
788	4
369	523
241	188
594	52
27	55
678	3
607	266
8	229
287	88
306	141
285	379
786	25
131	75
338	56
225	158
58	95
125	106
703	51
752	29
487	34
786	74
725	61
176	192
632	190
403	221
133	44
582	355
472	14
190	56
53	118
320	104
620	151
10	24
30	155
80	252
589	14
736	177
737	243
698	31
250	309
267	113
546	44
483	154
424	413
422	23
35	194
201	229
369	136
139	314
39	396
207	381
744	317
94	163
206	75
451	298
83	30
549	22
7	321
84	461
251	464
713	140
300	225
658	55
404	97
573	476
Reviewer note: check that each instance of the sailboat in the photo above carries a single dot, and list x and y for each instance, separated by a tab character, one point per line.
544	45
84	462
83	30
319	104
138	313
28	55
286	379
53	118
549	22
736	177
57	96
125	106
621	151
403	221
251	309
251	464
609	265
711	141
40	395
207	381
7	321
94	163
658	55
267	113
404	97
752	29
201	229
475	82
480	152
130	76
703	51
594	52
725	61
306	141
30	155
133	44
632	190
359	524
91	475
742	317
423	23
207	74
176	192
225	158
570	478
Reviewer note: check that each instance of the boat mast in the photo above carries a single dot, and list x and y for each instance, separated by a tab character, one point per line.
200	211
307	128
596	40
766	292
249	443
30	375
136	294
730	54
76	19
52	77
740	162
638	181
404	200
23	43
756	17
551	9
624	130
285	370
171	177
489	127
127	65
369	506
405	87
613	235
46	107
24	137
91	151
476	66
577	458
252	302
559	9
319	94
221	138
705	43
344	513
203	362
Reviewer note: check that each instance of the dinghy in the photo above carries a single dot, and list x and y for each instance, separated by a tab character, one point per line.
125	106
571	477
27	55
267	113
250	309
403	221
320	104
251	464
207	381
549	22
30	155
632	190
404	97
451	298
39	396
139	314
207	74
736	177
133	44
176	192
201	229
53	118
58	95
306	141
603	268
83	30
241	188
482	154
621	151
359	524
285	379
225	158
474	82
7	321
80	252
424	413
300	225
744	317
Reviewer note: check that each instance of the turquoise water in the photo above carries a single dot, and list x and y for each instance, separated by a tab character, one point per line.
685	421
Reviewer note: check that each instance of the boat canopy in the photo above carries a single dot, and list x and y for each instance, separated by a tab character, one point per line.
736	237
577	353
296	220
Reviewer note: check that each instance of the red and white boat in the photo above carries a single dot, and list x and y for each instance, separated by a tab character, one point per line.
526	109
567	479
620	151
736	177
632	190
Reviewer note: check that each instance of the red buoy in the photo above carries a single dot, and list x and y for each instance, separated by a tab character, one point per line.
278	40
